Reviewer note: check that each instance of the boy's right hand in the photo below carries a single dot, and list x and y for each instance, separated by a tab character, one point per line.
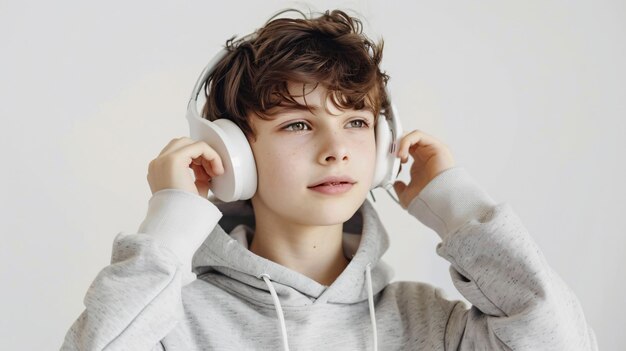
170	170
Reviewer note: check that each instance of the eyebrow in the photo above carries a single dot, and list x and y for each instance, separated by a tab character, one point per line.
315	108
285	109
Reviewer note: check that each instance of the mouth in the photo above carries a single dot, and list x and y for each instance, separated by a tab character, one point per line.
333	181
332	188
333	185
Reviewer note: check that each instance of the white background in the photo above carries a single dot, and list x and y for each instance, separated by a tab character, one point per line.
529	95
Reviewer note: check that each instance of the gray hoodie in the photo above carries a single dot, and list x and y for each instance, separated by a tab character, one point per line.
149	299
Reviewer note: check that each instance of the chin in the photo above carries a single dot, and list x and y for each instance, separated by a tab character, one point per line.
330	213
327	220
321	211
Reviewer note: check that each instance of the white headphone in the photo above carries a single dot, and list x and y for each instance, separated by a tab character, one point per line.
239	180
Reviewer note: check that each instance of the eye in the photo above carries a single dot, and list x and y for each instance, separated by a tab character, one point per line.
363	123
298	124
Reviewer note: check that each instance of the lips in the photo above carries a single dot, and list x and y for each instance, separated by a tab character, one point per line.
333	180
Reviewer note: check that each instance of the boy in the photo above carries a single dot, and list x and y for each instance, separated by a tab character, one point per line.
299	265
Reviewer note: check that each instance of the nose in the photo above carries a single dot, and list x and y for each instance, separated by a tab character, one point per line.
334	149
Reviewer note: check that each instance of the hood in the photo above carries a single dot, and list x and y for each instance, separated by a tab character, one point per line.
226	251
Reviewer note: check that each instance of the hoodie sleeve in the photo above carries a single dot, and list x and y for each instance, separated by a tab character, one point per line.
518	301
136	301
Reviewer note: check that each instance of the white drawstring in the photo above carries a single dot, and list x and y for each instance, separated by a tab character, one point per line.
279	309
370	297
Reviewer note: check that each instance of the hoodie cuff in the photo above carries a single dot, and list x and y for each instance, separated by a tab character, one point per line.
180	221
449	200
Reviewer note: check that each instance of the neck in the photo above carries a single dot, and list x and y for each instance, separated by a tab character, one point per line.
314	251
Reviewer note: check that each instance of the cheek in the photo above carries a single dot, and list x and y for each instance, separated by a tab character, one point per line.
276	167
368	150
368	155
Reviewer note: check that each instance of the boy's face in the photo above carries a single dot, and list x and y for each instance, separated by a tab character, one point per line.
291	156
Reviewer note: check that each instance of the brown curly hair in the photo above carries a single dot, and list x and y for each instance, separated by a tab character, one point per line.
330	50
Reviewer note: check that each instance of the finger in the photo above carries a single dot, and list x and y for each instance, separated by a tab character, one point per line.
203	187
202	180
211	161
413	140
208	167
176	144
406	141
199	172
409	140
399	187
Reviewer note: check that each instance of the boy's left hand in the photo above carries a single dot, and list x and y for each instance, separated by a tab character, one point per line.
430	157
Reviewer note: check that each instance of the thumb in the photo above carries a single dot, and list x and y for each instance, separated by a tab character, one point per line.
203	187
399	187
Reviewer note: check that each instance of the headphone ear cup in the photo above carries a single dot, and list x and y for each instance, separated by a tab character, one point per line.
239	180
383	145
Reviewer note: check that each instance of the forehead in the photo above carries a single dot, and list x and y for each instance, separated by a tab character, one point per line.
314	98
